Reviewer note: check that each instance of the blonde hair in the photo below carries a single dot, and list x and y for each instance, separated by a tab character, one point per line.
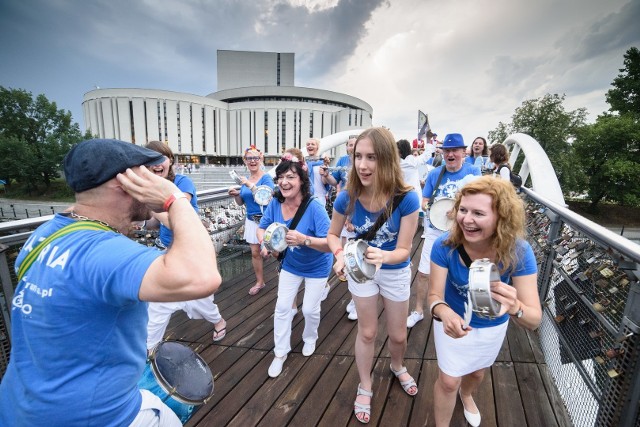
510	225
388	180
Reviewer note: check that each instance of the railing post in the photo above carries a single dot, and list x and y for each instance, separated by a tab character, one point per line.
547	268
7	286
619	405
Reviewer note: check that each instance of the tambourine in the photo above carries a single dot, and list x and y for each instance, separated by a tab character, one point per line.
481	273
438	213
274	237
236	178
262	194
354	263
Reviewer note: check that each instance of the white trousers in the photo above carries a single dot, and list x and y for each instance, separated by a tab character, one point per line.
160	314
288	286
154	413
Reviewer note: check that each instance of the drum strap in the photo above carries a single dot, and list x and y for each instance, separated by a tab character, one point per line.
294	223
435	187
370	234
464	255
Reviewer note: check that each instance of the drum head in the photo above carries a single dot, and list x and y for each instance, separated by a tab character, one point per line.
275	237
354	263
182	373
263	195
438	214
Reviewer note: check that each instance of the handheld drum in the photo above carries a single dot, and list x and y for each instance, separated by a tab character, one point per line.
354	263
274	237
262	194
179	377
438	213
481	273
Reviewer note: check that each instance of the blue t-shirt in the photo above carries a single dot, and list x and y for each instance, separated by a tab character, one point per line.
450	182
457	283
480	161
341	175
387	236
312	165
303	260
78	331
185	185
247	196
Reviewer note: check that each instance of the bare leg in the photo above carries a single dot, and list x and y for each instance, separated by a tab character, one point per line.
422	289
367	308
257	263
468	386
397	330
444	398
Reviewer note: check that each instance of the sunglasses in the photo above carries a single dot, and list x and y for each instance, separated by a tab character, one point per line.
252	158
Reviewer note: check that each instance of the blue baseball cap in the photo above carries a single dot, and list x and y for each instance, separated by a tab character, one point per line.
95	161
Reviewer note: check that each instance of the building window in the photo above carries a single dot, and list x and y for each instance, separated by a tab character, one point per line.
133	129
266	132
278	71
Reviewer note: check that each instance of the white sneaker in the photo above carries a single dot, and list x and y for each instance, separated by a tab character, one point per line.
414	318
351	307
308	349
353	315
276	366
325	292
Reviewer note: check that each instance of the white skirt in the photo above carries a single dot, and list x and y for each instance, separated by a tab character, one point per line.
461	356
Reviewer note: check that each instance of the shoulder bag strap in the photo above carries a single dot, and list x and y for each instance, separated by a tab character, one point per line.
464	255
76	226
294	223
435	187
370	234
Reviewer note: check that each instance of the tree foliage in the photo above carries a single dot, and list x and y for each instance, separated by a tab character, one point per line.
548	122
34	137
625	95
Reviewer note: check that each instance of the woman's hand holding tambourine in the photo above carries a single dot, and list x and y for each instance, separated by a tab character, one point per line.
338	267
506	295
374	256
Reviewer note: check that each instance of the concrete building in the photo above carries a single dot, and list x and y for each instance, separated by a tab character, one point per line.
256	104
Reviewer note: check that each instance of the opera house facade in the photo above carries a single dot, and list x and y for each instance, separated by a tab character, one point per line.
256	104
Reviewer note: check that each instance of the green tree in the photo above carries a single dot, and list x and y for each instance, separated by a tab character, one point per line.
548	122
609	153
625	95
36	135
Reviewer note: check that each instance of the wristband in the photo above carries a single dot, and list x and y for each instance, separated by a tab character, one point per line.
172	198
434	305
337	252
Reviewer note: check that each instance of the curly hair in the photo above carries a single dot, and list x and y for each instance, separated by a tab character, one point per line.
297	167
162	148
388	180
509	209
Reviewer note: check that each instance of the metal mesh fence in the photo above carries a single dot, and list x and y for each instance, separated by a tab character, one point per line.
582	334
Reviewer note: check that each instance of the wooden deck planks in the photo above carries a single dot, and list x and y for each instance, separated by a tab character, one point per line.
320	389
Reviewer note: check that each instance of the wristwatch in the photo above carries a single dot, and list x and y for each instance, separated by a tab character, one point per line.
518	314
307	241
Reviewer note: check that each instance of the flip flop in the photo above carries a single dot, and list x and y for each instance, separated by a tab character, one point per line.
256	288
219	334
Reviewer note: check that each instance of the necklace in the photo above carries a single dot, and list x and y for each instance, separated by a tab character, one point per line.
84	218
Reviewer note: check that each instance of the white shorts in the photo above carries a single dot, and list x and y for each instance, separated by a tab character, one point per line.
461	356
430	236
392	284
250	232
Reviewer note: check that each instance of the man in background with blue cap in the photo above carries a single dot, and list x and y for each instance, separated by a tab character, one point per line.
443	181
79	314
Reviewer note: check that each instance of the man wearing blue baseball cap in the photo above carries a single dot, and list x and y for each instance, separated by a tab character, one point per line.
441	186
79	318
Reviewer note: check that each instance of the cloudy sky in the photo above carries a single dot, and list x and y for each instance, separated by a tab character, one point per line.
468	64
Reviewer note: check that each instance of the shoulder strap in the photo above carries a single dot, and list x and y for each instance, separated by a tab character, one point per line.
464	255
370	234
76	226
435	187
296	219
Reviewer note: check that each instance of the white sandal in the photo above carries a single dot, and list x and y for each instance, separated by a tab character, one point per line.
362	408
406	385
